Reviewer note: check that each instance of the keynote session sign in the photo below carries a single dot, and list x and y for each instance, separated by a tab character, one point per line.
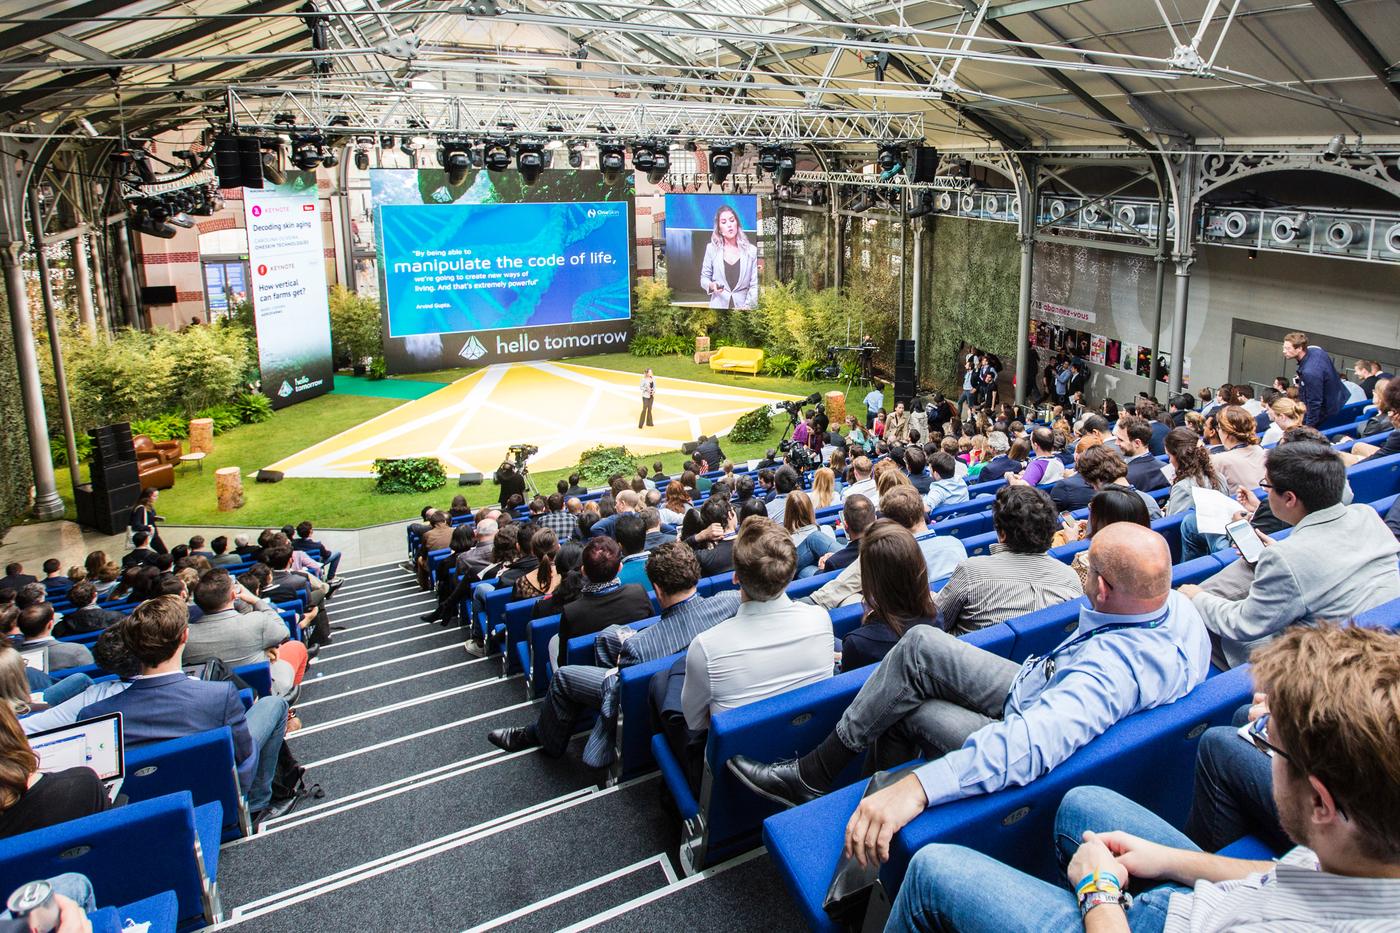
290	304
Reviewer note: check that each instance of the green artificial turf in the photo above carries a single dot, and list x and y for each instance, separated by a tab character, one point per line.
353	503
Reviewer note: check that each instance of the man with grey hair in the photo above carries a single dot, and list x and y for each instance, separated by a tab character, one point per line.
470	563
1000	464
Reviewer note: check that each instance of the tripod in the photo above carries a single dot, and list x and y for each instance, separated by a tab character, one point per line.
529	483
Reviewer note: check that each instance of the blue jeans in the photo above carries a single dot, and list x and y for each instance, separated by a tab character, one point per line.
811	550
954	888
330	565
1234	792
267	724
1194	544
66	689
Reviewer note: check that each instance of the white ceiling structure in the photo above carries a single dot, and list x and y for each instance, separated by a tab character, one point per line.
1024	74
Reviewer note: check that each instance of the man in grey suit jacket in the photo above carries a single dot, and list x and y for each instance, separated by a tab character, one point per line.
36	624
1337	562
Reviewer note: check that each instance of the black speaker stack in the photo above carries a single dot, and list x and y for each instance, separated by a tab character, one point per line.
923	164
906	377
238	161
105	503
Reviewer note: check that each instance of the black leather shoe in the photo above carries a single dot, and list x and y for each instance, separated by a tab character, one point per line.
334	586
274	809
430	617
779	782
513	739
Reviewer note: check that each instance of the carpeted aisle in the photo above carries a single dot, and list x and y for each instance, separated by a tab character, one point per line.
426	826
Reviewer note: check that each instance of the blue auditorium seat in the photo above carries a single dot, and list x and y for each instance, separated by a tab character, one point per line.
132	852
203	764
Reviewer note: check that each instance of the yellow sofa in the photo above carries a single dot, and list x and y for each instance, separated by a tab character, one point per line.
737	360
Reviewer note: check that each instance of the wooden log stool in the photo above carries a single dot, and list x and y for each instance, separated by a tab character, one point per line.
228	486
202	435
702	350
836	407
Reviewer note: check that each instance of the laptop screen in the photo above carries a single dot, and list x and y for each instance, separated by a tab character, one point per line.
91	743
37	658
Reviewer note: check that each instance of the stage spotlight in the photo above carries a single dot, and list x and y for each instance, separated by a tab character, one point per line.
203	205
386	142
768	159
575	155
529	160
306	153
890	160
149	217
660	166
271	165
496	156
611	160
643	155
329	157
924	205
362	158
721	163
787	167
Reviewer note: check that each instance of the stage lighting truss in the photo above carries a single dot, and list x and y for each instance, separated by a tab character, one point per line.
1360	235
557	116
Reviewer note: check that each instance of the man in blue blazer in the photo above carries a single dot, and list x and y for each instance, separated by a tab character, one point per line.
165	703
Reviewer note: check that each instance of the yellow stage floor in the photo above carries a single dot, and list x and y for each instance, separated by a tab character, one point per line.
562	408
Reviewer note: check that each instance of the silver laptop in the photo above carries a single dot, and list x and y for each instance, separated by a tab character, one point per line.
90	743
37	658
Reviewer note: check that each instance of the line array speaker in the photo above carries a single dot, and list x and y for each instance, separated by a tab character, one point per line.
905	372
923	163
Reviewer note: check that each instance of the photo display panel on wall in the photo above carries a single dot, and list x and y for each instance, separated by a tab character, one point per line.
712	250
493	270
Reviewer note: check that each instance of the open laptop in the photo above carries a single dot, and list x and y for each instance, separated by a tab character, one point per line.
37	658
88	743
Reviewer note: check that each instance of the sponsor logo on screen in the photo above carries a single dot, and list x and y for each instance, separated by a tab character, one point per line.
285	389
472	349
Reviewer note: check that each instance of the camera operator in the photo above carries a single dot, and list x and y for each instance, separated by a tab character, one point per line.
510	481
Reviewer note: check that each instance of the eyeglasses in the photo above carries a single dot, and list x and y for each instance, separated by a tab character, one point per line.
1259	738
1265	484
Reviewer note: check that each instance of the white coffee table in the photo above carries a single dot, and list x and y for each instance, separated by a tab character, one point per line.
196	457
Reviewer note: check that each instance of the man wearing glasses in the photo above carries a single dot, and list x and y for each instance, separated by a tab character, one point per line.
1336	563
1332	744
986	723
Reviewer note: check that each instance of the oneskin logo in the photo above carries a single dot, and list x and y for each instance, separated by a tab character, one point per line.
594	212
472	349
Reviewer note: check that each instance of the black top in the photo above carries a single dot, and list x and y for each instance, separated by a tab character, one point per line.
731	274
511	485
1071	493
17	581
141	555
1390	446
91	619
998	467
840	560
921	481
593	612
717	559
868	644
1145	473
56	798
576	491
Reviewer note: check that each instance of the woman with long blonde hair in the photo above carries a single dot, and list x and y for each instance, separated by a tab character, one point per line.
824	488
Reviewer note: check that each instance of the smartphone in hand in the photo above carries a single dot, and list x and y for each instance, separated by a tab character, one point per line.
1242	536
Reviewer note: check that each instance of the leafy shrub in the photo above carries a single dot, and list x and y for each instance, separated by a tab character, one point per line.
225	417
807	370
59	450
752	427
779	364
596	464
409	474
357	329
253	408
378	369
661	346
168	427
850	371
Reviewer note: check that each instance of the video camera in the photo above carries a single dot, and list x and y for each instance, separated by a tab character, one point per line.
799	455
520	453
794	409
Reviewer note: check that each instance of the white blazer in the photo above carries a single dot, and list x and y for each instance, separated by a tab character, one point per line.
745	294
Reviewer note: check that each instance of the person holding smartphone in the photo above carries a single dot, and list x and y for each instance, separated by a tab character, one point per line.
1337	562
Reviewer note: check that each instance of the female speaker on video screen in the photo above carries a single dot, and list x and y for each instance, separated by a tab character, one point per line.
730	271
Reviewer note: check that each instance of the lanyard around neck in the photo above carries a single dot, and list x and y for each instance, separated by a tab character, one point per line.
1049	660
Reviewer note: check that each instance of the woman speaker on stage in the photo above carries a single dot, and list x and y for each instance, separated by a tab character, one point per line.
729	274
648	393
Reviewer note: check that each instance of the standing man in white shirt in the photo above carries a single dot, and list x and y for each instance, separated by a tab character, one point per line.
648	395
874	401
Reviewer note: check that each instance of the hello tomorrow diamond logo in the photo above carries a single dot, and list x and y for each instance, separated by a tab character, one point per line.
472	349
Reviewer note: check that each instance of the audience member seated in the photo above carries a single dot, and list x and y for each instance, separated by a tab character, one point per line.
30	799
36	624
1001	463
1134	436
785	480
1339	560
894	589
1330	742
857	515
164	703
770	645
605	599
103	574
626	502
861	483
657	534
540	580
558	520
15	578
304	542
811	540
1233	787
55	582
714	542
470	563
1285	414
1044	467
284	586
1018	576
437	537
86	615
577	689
1241	462
631	536
1192	468
1073	492
1111	504
942	553
139	553
1103	466
986	723
238	637
946	487
1391	444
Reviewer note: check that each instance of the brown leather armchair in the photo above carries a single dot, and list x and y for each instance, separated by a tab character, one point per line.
166	451
153	474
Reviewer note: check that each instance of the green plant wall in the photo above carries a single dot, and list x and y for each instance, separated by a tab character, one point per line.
973	271
15	473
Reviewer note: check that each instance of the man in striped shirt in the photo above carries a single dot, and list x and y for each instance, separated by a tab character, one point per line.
1333	737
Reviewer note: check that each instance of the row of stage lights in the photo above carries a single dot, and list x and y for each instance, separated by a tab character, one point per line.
162	215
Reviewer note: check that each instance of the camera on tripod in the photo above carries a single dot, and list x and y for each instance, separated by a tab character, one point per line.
794	409
519	453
